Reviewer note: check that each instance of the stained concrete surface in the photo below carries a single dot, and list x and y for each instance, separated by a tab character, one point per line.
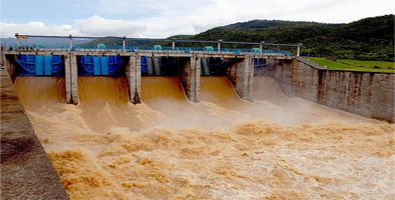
26	170
369	94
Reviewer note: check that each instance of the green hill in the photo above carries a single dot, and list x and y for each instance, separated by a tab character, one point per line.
118	42
366	39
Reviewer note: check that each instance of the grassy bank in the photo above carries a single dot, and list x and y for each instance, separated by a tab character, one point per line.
356	65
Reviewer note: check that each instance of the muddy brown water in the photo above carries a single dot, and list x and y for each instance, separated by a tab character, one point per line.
222	148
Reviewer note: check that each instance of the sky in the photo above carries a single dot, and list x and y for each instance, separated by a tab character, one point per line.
164	18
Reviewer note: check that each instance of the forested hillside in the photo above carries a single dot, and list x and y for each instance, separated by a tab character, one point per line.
366	39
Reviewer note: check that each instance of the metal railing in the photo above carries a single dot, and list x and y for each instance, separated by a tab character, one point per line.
125	48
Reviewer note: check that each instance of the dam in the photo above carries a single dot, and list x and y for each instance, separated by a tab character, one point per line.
186	63
238	128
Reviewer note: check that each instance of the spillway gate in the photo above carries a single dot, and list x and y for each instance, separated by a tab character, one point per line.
187	63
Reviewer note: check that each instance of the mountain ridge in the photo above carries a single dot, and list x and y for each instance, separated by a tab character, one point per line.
369	38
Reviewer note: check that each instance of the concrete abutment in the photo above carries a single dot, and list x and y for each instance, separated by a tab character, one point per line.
26	170
369	94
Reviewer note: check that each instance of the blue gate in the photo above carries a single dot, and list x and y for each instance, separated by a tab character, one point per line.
100	66
144	64
34	65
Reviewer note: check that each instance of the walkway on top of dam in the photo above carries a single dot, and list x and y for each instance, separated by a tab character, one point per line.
257	48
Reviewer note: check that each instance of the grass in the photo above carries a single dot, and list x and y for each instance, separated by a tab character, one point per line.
356	65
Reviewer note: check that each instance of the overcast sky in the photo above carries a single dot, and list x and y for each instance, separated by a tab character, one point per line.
163	18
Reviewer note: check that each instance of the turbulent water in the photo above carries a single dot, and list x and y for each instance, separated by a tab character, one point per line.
222	148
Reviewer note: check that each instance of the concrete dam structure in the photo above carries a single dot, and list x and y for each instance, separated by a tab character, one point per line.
200	124
364	93
188	69
369	94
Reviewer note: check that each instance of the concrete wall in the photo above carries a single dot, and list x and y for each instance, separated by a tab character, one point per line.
26	170
364	93
9	64
2	57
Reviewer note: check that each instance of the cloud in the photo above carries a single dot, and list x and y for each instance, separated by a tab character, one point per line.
34	28
201	27
98	26
164	18
92	26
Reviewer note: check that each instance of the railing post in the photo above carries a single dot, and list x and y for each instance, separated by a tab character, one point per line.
219	45
18	42
124	44
298	50
70	42
173	44
261	46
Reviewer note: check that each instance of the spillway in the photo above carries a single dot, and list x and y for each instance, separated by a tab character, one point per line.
104	103
219	90
161	88
221	148
102	90
267	89
35	92
165	94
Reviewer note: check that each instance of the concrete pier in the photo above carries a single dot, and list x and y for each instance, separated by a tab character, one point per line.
26	170
241	74
133	77
190	78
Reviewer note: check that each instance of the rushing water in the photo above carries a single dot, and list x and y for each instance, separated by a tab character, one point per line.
221	148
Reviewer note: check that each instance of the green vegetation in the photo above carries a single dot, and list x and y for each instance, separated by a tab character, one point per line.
118	42
366	39
355	65
369	64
